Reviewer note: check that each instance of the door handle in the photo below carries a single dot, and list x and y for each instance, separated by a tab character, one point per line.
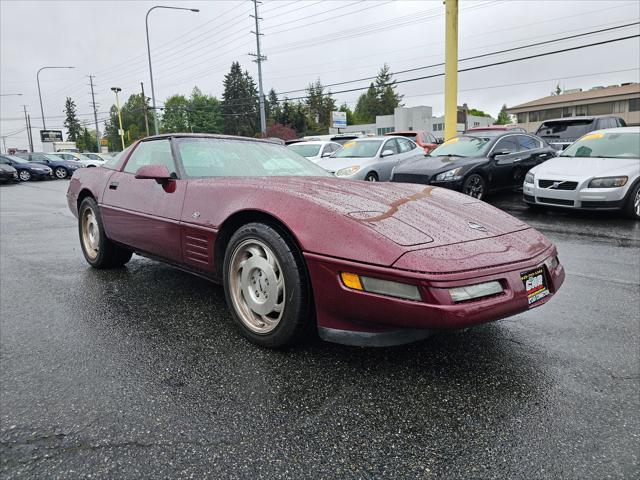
518	159
113	186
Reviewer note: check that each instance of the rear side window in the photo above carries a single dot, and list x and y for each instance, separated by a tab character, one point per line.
528	143
508	143
391	145
405	145
565	130
153	152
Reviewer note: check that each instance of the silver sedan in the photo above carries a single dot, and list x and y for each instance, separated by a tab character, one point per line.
370	158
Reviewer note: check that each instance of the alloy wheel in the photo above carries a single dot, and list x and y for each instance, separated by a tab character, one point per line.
474	186
61	172
90	233
257	286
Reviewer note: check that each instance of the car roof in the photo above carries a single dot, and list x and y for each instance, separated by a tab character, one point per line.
617	130
314	142
210	135
583	117
494	127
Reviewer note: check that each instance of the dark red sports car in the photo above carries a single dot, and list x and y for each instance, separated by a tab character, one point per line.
298	249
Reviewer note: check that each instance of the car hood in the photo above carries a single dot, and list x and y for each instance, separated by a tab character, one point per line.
333	164
584	167
433	165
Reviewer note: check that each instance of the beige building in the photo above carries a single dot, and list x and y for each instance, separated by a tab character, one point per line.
620	100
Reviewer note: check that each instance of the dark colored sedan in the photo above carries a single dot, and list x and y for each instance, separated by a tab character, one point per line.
61	168
8	173
27	170
477	164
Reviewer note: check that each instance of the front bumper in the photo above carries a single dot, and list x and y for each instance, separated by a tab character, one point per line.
362	318
38	175
582	198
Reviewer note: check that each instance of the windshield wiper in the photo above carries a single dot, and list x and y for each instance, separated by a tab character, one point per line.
451	155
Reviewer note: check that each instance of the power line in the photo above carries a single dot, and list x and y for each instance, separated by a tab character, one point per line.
475	57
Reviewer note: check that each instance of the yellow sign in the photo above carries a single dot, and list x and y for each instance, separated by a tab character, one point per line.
104	142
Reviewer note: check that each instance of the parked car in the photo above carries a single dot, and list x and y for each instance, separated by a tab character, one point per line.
8	173
562	132
61	168
343	138
601	171
315	151
26	170
498	129
98	156
296	248
81	158
477	165
426	140
370	158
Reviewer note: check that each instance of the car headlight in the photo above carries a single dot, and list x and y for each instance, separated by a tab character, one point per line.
528	178
343	172
608	182
449	175
379	286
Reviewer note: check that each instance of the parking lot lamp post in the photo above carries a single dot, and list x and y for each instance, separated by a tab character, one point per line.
153	93
44	125
451	70
120	130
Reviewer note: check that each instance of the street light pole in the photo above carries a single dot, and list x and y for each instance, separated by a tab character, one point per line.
153	93
120	130
44	126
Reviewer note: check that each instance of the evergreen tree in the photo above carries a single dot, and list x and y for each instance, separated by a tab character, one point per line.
503	116
71	123
388	98
272	106
345	108
175	116
368	106
319	106
239	102
205	115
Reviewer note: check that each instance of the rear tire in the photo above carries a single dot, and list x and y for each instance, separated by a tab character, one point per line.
266	286
98	250
632	209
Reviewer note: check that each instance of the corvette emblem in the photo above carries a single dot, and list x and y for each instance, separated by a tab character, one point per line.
475	226
195	214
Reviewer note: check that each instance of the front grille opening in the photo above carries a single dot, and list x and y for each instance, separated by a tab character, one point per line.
556	201
563	185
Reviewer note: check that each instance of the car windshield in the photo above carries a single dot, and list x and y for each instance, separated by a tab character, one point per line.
359	149
606	144
564	129
214	157
464	146
305	150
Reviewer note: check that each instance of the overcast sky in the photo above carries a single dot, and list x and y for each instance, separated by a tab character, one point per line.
335	41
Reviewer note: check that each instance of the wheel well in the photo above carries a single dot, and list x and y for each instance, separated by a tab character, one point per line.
82	195
235	221
370	172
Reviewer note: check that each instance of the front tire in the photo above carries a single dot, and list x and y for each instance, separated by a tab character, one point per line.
24	175
98	250
632	209
475	186
266	286
371	177
61	173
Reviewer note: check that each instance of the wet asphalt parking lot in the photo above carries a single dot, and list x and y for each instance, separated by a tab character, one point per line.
139	373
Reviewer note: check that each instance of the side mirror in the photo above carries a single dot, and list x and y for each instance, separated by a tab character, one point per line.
326	154
159	173
386	153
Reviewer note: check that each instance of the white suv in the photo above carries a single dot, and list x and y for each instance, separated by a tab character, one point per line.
599	171
80	158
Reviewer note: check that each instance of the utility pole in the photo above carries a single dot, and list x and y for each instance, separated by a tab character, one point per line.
30	133
4	143
145	108
451	70
95	112
26	121
259	59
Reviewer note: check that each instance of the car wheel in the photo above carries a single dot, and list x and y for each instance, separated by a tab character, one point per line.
61	172
98	250
266	286
633	203
371	177
474	186
24	175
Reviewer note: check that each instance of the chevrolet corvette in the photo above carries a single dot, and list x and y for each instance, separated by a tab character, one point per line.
299	250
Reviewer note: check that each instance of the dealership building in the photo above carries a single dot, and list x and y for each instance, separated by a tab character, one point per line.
620	100
415	118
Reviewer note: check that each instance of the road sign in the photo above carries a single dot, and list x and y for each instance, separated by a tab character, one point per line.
120	132
339	119
104	142
51	135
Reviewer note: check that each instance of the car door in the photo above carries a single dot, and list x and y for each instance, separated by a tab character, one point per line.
531	152
142	213
385	164
504	158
